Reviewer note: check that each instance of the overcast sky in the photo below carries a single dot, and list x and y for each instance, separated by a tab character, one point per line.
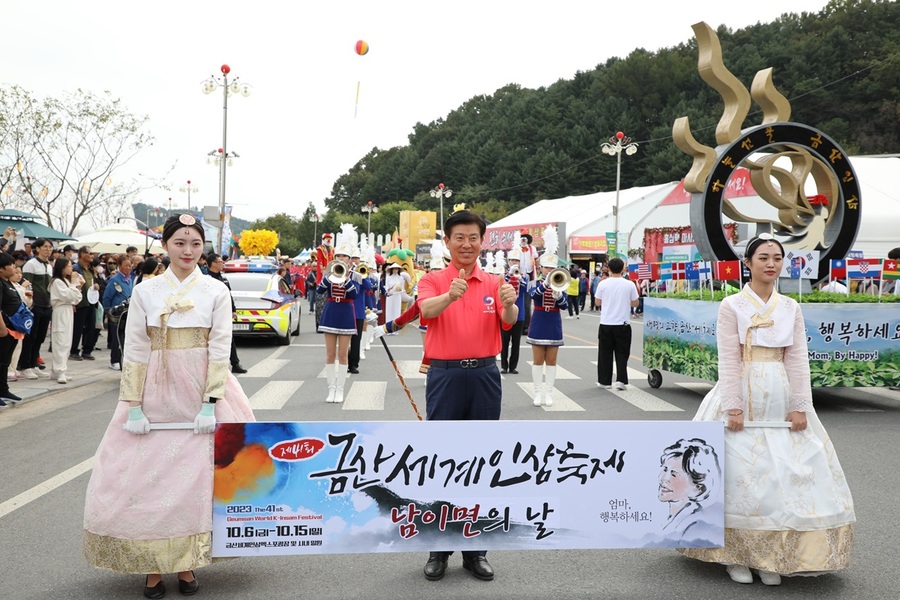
296	133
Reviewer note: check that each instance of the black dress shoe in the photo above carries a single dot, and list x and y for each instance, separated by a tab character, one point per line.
504	371
480	567
436	566
188	588
353	370
238	369
157	591
513	372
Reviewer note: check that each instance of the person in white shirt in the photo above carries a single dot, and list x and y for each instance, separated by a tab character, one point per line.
615	296
835	287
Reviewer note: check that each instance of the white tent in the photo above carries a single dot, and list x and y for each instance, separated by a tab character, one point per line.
116	238
646	208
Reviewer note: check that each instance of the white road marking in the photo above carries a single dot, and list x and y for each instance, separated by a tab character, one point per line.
274	395
561	373
408	368
639	398
561	402
266	368
365	395
700	387
46	487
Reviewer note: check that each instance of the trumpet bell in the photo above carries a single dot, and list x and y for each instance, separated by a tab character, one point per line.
363	270
558	280
336	272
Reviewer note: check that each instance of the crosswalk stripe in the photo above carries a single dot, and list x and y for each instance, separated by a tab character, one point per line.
700	387
265	369
561	402
365	395
409	369
560	372
274	394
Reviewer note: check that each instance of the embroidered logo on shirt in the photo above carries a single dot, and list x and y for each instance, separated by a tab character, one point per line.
489	304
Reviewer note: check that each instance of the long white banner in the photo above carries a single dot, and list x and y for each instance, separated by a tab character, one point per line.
348	487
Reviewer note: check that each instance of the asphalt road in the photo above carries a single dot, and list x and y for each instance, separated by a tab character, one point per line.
46	447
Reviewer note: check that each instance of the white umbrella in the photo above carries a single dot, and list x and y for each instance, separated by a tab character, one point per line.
116	238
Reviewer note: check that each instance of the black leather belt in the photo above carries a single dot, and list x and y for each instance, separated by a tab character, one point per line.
463	363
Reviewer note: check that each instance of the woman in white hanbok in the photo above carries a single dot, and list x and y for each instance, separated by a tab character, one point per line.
788	509
395	291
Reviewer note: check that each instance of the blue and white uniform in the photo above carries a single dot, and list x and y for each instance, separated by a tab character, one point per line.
339	314
546	323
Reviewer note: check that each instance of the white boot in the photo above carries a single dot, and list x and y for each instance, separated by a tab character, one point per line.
551	380
537	376
339	386
362	354
369	333
330	372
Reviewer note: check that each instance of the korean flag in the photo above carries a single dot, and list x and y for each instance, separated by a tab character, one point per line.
804	261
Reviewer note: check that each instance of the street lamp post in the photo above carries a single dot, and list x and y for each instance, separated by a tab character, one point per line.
614	147
189	188
315	219
441	191
209	86
156	211
146	232
369	208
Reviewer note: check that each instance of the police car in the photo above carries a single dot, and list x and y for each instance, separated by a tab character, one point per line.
265	304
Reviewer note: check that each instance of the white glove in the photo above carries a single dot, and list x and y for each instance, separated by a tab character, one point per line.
557	295
205	421
371	317
137	423
378	332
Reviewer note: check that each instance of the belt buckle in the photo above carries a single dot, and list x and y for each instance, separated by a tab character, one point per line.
468	363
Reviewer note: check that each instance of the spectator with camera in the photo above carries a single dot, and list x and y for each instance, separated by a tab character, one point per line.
115	303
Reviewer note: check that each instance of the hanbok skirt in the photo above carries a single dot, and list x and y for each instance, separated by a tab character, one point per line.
149	501
788	509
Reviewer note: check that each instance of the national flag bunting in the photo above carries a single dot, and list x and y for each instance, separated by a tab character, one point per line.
644	271
838	269
864	268
698	270
679	271
891	269
727	269
665	271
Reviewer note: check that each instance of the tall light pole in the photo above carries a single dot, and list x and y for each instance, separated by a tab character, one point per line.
209	86
189	188
146	232
614	147
369	208
315	219
441	191
156	211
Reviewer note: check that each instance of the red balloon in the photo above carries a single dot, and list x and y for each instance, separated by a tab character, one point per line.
619	135
226	69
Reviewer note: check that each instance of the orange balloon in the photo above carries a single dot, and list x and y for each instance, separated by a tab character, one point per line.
362	47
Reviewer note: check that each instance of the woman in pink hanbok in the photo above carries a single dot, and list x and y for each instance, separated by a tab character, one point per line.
149	501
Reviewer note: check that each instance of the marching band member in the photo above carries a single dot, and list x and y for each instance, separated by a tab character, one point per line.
545	333
324	256
339	315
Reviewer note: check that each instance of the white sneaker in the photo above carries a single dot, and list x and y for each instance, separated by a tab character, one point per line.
42	374
569	317
62	379
739	573
620	386
115	367
605	387
769	578
30	374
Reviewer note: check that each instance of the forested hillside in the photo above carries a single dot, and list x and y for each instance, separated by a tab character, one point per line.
840	68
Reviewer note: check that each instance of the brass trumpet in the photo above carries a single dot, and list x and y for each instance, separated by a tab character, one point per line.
515	271
363	270
558	280
336	272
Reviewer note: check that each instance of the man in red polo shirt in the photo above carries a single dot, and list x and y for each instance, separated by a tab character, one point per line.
464	309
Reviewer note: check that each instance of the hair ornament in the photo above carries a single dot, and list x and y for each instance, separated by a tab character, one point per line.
186	219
